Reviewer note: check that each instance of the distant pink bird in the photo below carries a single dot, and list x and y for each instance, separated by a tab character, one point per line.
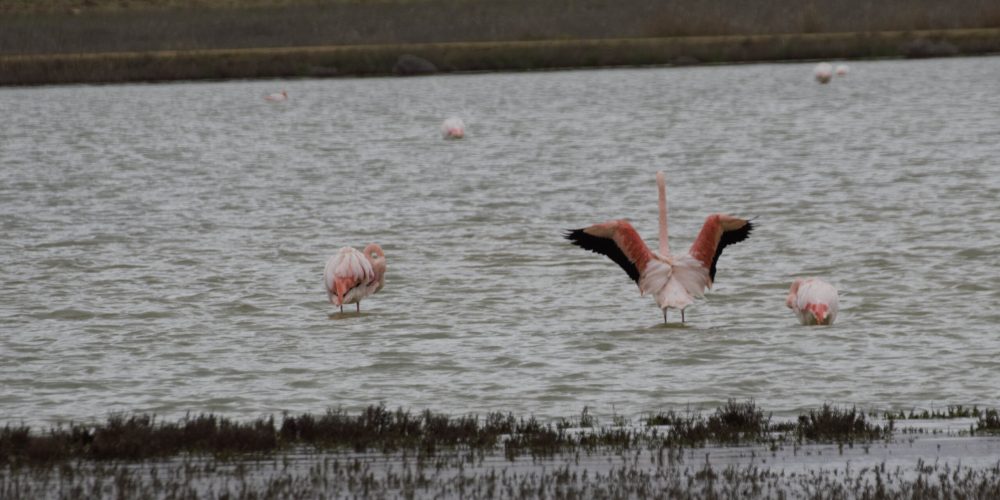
842	70
674	280
823	72
282	96
813	300
453	128
351	275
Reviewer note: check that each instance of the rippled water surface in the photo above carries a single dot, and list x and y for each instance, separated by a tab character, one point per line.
162	246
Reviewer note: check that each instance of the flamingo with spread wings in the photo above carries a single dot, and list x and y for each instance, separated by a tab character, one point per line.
675	281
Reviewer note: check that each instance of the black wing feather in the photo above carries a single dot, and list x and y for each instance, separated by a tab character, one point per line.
729	238
604	246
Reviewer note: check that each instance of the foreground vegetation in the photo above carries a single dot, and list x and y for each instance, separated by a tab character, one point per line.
141	437
384	453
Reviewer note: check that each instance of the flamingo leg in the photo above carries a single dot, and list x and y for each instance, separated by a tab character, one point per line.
342	308
682	315
664	315
359	306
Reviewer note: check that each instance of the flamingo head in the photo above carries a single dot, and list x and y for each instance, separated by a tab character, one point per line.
792	293
376	256
818	311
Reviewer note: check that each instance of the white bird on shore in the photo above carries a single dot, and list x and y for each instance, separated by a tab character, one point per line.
675	281
453	128
281	96
813	300
823	72
351	275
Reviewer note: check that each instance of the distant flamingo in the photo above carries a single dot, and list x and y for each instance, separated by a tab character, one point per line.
453	128
842	70
813	300
674	280
823	72
351	275
282	96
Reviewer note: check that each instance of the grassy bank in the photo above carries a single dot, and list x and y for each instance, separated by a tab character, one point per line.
364	60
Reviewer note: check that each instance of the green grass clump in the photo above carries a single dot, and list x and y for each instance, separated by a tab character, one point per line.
989	422
137	437
839	425
957	411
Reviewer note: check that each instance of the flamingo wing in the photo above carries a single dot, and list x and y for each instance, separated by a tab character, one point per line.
619	241
718	232
346	270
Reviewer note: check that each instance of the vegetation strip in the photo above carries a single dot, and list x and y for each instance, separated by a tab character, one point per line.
141	437
360	60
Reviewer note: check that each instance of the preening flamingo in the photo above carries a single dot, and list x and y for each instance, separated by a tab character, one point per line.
282	96
674	280
453	128
842	70
351	275
823	72
813	300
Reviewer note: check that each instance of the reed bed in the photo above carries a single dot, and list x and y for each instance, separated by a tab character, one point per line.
141	436
380	452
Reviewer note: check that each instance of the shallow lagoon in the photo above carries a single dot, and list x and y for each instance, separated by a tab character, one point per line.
161	246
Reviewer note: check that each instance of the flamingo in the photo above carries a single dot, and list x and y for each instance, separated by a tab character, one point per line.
282	96
841	70
673	280
823	72
813	300
453	128
351	275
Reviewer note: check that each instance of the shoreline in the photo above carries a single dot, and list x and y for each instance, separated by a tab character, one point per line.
737	452
461	57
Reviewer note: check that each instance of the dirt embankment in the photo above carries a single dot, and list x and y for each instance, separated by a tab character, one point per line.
62	41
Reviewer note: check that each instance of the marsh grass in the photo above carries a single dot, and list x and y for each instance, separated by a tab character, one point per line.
744	422
427	433
429	454
840	425
640	475
950	412
989	422
137	437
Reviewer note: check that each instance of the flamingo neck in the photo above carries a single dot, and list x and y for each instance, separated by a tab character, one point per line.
661	185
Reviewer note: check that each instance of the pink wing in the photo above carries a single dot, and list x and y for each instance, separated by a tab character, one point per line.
718	232
619	241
